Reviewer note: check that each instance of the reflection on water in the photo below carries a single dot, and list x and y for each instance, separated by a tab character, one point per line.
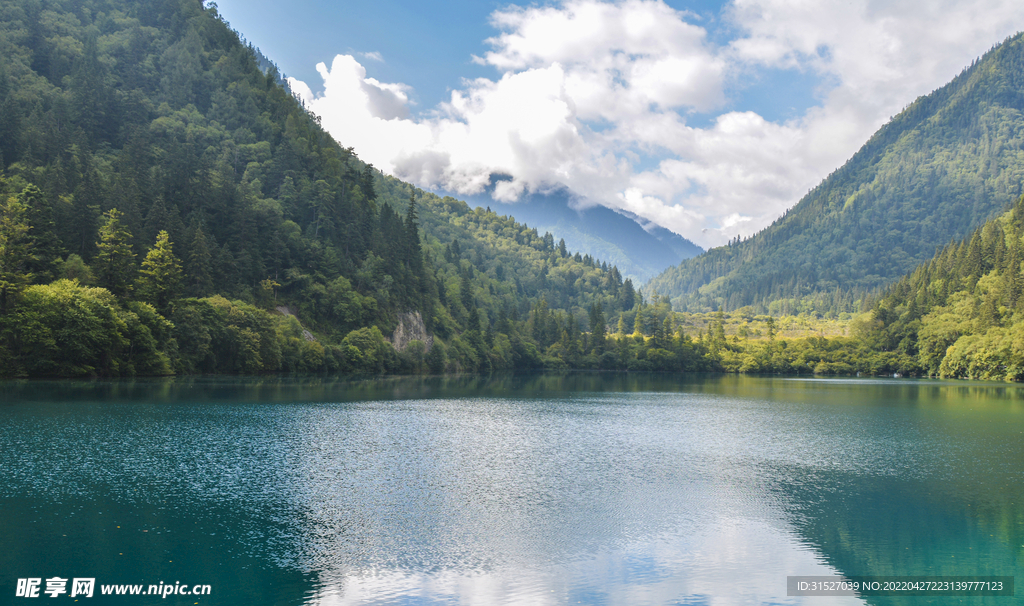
727	562
541	489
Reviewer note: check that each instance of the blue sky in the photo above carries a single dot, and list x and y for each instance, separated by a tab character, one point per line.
427	45
430	46
708	118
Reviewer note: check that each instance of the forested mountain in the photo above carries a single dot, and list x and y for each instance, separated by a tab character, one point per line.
162	195
938	170
961	315
602	232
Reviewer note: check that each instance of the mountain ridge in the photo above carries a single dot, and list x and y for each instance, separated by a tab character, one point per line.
937	170
613	236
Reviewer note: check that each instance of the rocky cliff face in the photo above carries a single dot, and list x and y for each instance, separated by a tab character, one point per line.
410	328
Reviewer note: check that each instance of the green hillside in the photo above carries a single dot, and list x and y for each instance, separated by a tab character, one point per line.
947	163
167	206
961	315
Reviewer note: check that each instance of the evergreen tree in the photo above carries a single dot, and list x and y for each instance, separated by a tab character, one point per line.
413	251
436	358
597	327
628	295
46	247
15	249
115	261
366	183
74	268
466	292
80	215
198	263
640	321
323	206
571	340
160	279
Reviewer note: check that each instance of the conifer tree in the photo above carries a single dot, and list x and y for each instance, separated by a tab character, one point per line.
199	260
640	321
160	281
46	248
323	205
412	246
597	327
15	250
628	295
571	340
115	261
466	293
366	182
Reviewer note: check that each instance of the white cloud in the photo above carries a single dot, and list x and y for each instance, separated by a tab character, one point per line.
590	93
643	52
364	113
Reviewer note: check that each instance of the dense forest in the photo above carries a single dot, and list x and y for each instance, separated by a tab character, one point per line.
167	206
961	315
942	167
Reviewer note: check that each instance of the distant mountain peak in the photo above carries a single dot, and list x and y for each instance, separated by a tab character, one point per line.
614	236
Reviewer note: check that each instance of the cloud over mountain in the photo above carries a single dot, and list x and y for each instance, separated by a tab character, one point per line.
631	105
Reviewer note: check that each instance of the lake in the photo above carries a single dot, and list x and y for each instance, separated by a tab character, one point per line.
537	489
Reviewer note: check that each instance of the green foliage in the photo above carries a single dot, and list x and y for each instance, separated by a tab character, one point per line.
115	261
370	352
335	308
152	346
65	329
160	278
199	263
15	249
215	335
946	164
46	249
74	268
437	358
961	315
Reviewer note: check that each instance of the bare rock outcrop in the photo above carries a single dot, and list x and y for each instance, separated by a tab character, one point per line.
410	328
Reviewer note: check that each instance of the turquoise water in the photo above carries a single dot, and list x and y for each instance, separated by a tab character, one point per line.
519	490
